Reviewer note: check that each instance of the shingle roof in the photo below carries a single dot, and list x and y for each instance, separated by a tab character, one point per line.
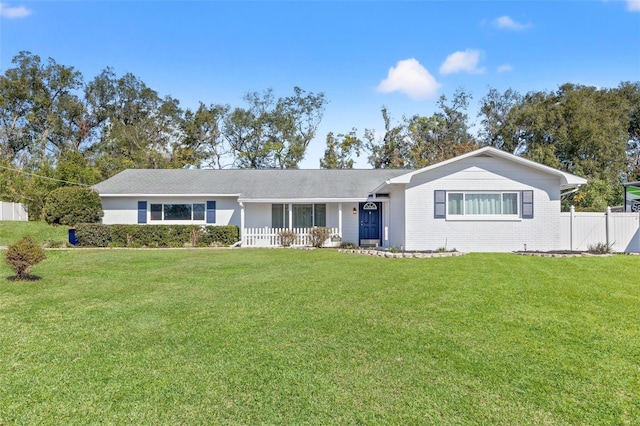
248	184
567	179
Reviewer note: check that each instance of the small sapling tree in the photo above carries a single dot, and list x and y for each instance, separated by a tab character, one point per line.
22	255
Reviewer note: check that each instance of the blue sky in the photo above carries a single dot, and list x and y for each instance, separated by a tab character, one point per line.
361	54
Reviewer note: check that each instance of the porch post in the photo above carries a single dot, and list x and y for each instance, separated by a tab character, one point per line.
340	219
290	216
386	222
242	236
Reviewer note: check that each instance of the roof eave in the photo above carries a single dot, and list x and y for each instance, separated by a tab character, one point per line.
303	200
381	186
146	194
571	180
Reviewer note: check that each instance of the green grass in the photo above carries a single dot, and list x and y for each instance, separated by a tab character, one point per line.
12	231
319	337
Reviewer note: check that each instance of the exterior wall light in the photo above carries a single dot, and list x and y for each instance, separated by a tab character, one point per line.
355	210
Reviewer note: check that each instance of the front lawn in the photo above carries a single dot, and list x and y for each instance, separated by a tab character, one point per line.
319	337
12	231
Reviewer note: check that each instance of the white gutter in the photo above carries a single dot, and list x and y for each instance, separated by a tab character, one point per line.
570	191
168	195
379	187
301	200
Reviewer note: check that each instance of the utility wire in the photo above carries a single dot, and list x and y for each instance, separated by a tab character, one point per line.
42	177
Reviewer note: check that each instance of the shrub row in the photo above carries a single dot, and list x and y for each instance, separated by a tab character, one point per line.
99	235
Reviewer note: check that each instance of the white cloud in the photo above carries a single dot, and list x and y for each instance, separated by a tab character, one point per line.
466	61
15	12
633	5
410	78
505	22
505	68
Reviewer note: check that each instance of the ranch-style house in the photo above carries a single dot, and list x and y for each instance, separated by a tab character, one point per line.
485	200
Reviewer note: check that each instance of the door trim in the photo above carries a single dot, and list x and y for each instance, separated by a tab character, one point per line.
370	206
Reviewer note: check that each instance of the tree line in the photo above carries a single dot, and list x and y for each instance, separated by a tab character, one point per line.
587	131
57	129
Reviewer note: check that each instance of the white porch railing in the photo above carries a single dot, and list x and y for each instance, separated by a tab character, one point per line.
269	237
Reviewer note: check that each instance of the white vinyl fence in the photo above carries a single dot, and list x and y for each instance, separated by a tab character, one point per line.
579	230
13	211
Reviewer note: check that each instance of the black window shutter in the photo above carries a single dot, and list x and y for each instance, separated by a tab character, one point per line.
440	204
142	212
211	212
527	204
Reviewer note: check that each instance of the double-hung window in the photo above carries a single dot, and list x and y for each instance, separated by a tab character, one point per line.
482	203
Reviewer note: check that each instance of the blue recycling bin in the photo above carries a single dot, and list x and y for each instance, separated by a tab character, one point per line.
72	237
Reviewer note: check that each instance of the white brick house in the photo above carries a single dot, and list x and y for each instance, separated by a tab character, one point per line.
486	200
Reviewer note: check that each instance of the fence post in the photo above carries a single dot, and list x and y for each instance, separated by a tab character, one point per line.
606	224
638	227
572	211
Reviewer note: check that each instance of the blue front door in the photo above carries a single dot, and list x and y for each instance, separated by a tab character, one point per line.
370	223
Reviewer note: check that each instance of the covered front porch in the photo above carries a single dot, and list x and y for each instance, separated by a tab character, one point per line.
358	222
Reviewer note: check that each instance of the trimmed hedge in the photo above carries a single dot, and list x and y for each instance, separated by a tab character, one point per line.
93	235
224	235
99	235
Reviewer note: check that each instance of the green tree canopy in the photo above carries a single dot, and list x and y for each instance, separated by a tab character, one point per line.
583	130
71	205
390	151
340	150
55	129
419	141
273	133
443	135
